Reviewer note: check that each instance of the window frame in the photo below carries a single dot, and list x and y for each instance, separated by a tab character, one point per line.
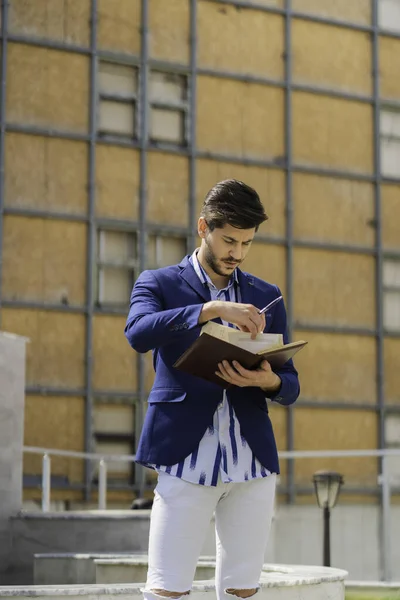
122	98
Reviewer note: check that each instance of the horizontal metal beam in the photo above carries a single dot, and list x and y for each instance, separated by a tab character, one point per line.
336	404
50	132
243	4
129	397
100	395
173	230
277	163
222	74
331	328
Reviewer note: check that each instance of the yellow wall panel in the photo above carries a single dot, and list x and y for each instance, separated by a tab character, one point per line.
392	371
55	422
335	366
119	25
169	30
244	41
333	210
47	87
114	362
268	262
389	67
331	56
391	216
55	354
332	132
44	260
334	287
117	182
240	119
168	189
322	429
358	11
268	183
64	20
46	173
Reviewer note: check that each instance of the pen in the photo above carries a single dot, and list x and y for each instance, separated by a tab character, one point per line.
263	310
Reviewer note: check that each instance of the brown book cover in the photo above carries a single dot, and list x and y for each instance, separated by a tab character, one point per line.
203	356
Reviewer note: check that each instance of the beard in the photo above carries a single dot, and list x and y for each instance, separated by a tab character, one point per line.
217	265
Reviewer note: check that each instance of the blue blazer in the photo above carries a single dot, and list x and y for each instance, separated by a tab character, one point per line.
163	317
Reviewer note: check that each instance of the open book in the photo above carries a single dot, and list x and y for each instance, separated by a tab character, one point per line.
218	342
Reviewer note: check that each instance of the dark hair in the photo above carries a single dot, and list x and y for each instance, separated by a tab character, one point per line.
232	202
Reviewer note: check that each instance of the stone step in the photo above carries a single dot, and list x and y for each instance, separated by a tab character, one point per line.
80	568
134	570
286	582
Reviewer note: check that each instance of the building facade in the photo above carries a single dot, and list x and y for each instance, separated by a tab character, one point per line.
116	117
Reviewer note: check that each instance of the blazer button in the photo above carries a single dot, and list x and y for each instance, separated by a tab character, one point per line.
185	325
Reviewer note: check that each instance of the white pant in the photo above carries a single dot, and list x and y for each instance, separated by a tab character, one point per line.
179	523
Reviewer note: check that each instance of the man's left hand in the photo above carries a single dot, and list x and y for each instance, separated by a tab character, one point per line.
263	377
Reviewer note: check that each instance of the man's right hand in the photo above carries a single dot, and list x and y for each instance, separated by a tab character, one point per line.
244	316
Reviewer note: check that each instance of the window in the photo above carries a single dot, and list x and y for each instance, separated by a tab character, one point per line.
392	440
168	107
117	100
390	143
391	295
113	426
117	267
163	251
118	262
389	14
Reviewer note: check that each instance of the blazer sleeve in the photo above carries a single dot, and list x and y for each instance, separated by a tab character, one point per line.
148	325
290	387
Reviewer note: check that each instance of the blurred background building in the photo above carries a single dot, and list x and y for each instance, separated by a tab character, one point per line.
116	117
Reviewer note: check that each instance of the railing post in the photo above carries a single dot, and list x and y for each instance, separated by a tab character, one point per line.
102	485
385	521
46	474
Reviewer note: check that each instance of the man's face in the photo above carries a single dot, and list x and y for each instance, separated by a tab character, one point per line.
225	248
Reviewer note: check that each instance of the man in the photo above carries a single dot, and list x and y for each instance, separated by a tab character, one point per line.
214	450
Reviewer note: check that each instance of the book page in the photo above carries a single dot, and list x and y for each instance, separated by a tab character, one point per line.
262	343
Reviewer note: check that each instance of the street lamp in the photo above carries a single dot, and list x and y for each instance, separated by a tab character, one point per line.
327	487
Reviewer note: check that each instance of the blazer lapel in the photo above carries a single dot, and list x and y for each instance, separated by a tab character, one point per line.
246	284
189	275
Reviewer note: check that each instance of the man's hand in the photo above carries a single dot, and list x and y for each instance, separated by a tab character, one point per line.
263	377
244	316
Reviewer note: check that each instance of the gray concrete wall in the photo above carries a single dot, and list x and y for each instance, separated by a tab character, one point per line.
12	393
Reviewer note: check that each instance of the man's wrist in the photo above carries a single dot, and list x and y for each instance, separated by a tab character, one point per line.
275	387
208	312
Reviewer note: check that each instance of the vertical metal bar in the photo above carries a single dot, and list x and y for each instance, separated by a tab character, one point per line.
192	121
91	241
289	227
379	271
46	482
3	101
102	485
140	476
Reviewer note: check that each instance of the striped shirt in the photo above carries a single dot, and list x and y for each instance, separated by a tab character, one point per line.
222	452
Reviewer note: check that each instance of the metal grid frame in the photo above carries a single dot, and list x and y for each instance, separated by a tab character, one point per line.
144	146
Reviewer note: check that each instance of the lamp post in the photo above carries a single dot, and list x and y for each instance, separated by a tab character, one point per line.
327	487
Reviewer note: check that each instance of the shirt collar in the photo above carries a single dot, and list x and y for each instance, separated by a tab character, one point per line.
204	278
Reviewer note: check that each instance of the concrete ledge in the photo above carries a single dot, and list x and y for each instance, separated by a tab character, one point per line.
134	570
85	515
288	582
